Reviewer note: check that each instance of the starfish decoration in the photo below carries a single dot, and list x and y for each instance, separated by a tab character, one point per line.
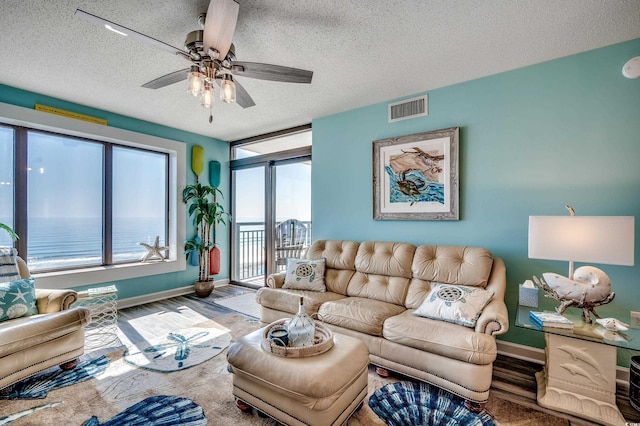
154	252
20	295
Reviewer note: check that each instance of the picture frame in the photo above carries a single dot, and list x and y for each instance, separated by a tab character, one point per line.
415	177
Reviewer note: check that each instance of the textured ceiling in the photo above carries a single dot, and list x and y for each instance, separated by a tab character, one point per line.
362	52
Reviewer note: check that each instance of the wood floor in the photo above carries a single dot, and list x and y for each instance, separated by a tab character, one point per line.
513	379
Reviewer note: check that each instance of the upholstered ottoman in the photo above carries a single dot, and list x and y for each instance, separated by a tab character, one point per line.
319	390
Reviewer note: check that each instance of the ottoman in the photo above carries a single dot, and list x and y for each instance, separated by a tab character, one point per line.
318	390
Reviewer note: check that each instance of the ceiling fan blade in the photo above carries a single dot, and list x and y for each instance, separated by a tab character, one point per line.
167	80
127	32
271	72
219	26
242	96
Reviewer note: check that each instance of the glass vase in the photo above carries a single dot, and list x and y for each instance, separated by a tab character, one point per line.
302	328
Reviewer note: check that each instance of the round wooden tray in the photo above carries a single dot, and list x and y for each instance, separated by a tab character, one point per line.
322	342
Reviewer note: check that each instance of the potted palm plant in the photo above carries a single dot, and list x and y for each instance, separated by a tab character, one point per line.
207	212
10	231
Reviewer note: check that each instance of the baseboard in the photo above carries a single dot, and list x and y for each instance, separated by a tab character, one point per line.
528	353
161	295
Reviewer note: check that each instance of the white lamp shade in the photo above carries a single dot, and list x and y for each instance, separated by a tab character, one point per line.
598	239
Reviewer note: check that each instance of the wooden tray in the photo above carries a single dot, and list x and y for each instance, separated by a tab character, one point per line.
322	342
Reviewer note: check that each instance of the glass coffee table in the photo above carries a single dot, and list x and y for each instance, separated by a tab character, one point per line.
579	376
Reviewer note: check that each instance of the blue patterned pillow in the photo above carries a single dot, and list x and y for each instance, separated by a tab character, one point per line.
17	299
8	265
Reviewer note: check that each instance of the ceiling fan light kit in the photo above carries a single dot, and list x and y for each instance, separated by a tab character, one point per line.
212	56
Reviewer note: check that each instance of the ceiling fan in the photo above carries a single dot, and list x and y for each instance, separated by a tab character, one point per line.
212	56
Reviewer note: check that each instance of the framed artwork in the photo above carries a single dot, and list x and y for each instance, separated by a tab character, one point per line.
415	177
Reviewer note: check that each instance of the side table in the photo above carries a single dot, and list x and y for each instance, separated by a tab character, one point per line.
103	304
579	376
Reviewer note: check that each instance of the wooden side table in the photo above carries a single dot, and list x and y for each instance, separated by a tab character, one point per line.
103	304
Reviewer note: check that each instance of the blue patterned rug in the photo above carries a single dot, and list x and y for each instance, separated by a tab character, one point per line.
420	404
160	410
38	386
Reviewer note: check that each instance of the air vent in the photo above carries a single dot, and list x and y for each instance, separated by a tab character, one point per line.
410	108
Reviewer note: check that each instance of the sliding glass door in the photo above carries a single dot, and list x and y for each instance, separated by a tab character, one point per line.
271	204
248	225
292	212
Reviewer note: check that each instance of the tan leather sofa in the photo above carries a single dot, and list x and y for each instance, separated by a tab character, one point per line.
55	336
373	288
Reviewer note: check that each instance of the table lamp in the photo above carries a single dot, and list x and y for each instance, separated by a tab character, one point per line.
598	239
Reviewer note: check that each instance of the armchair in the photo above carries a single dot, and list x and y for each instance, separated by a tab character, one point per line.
55	336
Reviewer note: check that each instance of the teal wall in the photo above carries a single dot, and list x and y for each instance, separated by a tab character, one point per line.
214	150
531	141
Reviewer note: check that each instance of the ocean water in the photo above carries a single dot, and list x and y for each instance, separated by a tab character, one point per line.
427	191
55	243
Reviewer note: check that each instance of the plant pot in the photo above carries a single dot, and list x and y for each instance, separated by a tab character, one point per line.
203	288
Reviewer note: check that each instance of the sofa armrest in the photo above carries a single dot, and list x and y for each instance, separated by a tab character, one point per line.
275	280
49	301
494	319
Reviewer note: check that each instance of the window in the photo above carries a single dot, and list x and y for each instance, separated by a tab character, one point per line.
64	202
88	203
139	201
77	194
6	182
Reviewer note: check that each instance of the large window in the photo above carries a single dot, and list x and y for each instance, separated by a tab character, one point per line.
6	182
82	202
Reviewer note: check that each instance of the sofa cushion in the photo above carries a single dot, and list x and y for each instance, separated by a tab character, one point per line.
385	258
8	265
340	258
288	300
379	287
439	337
416	293
455	303
17	299
359	314
453	264
305	274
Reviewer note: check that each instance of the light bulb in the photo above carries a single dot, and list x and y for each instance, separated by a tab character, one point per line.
195	81
228	89
206	99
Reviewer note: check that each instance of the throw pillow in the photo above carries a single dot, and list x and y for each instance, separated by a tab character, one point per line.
303	274
8	264
455	303
17	299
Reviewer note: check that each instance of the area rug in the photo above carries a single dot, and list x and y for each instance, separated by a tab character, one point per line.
208	384
180	349
414	403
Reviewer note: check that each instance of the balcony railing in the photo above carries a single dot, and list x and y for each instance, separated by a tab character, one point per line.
250	249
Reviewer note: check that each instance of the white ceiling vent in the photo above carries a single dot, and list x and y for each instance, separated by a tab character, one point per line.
409	108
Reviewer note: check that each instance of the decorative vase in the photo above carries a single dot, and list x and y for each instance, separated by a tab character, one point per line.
302	328
203	288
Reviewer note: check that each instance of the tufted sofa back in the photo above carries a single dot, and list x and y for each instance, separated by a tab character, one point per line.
383	271
461	265
340	258
398	273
